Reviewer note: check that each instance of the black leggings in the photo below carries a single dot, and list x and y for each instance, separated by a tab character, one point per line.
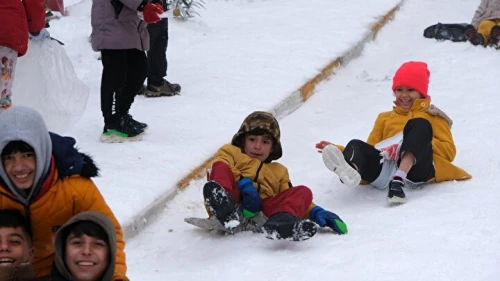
417	139
123	74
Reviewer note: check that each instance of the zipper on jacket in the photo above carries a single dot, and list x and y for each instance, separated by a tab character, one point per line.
258	171
257	176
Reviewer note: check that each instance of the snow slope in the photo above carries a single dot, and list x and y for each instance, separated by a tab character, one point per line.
447	231
237	57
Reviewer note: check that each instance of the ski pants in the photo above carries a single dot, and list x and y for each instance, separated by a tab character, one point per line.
157	54
295	200
417	139
123	74
9	60
485	27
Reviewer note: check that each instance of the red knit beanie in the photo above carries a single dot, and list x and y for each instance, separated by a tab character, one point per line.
413	74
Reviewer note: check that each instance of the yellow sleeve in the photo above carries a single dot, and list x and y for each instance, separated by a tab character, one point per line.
377	132
442	141
92	200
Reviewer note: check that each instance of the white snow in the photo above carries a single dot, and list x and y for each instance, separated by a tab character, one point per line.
242	56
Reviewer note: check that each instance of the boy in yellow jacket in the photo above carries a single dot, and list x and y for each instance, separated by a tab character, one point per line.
411	143
243	181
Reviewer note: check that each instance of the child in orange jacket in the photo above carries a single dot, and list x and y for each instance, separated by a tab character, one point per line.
412	143
244	181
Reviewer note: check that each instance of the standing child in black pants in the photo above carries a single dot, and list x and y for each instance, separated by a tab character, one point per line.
157	85
122	38
411	143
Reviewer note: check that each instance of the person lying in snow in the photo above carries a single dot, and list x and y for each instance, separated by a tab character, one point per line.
87	237
485	25
16	247
46	178
412	143
243	173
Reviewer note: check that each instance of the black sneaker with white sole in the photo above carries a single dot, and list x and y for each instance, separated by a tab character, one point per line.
396	195
285	226
221	204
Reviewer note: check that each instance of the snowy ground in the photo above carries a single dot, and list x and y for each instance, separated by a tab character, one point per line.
238	57
248	55
447	231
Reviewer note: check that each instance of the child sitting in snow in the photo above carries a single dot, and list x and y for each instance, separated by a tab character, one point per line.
485	25
412	142
243	174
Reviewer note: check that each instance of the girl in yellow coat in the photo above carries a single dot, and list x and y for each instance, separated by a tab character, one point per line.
411	144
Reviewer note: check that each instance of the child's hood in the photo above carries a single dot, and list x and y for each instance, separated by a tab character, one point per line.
60	241
265	121
20	123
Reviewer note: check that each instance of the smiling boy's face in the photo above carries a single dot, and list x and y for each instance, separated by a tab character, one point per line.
258	147
15	247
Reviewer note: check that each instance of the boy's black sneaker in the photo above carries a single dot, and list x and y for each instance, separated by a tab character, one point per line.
221	204
285	226
135	123
396	195
120	129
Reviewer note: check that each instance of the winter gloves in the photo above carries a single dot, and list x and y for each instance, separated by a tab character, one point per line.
152	12
251	202
42	35
326	218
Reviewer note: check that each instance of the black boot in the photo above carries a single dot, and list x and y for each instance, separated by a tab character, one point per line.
117	129
221	204
285	226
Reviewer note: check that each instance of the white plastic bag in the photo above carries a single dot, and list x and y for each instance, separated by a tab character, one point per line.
45	80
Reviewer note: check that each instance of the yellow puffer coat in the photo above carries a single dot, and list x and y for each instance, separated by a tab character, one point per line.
61	200
269	178
391	123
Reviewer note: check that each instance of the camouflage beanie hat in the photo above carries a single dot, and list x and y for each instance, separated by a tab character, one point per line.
260	120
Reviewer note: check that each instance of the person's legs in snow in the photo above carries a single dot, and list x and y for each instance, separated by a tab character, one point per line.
415	160
114	77
285	211
8	59
157	85
136	74
358	161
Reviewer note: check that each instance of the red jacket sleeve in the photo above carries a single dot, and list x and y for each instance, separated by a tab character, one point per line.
35	13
